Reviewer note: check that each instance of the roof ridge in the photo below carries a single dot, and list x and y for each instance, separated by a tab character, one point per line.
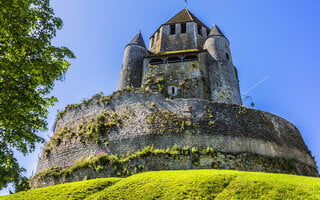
183	16
189	14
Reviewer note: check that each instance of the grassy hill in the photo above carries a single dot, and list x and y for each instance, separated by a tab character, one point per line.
189	184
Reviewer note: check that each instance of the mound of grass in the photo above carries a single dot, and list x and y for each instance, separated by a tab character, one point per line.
67	191
212	184
184	184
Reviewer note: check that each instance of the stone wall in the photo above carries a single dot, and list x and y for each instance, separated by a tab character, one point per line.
148	119
154	162
190	78
163	41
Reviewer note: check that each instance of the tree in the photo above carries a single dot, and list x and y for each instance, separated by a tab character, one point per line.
29	66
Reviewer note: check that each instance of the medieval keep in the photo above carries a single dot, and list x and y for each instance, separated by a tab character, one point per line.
178	106
193	60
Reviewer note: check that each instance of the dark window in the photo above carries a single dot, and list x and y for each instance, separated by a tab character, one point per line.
208	32
173	91
183	28
199	29
227	56
172	29
174	59
156	61
191	58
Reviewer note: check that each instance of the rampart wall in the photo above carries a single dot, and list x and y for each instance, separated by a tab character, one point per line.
136	119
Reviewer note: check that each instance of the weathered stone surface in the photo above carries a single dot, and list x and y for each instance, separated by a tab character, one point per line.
152	120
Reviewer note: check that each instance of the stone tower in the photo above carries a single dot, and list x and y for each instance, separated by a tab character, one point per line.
132	63
223	76
185	60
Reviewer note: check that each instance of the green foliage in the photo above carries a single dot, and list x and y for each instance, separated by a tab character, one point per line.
211	118
154	80
184	184
29	67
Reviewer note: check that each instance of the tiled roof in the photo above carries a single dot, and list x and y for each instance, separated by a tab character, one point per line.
215	31
185	16
138	40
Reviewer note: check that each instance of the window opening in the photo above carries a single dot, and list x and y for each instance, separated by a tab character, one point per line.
174	59
191	58
199	29
173	91
227	56
172	29
156	61
183	28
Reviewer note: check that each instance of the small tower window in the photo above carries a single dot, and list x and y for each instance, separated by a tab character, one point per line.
183	28
173	91
227	56
172	29
199	29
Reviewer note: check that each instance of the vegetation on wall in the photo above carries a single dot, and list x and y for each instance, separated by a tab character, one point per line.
87	131
119	163
154	79
163	121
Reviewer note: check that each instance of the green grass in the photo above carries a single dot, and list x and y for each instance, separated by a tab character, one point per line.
67	191
185	184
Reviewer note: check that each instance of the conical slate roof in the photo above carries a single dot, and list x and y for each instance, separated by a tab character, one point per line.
185	16
138	40
215	31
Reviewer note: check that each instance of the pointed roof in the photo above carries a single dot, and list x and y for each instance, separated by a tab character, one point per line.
185	16
215	31
137	40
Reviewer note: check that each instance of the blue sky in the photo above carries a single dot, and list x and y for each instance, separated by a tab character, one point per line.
279	39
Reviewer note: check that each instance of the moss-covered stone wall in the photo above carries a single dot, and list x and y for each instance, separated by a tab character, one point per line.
130	120
174	158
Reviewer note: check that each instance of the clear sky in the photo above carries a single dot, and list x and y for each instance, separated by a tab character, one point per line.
275	38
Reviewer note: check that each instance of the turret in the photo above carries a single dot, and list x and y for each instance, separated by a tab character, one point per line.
132	64
223	77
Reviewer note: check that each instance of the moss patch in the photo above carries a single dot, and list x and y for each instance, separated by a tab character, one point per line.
87	131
